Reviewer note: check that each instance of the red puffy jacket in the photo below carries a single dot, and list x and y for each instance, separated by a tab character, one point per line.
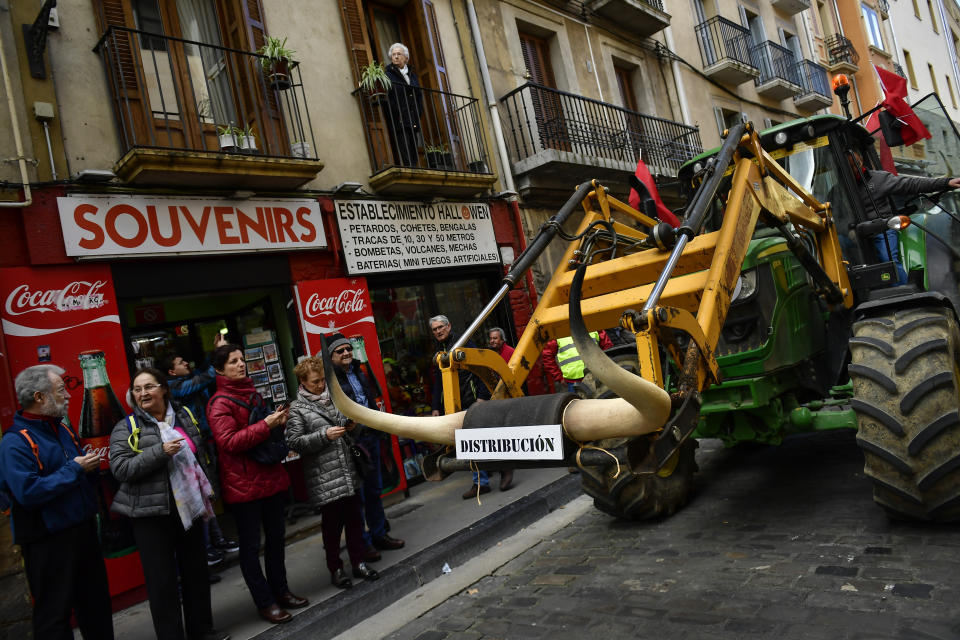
241	478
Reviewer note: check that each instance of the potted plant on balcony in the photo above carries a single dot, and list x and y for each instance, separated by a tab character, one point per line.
228	137
247	141
374	81
478	166
438	157
301	149
276	62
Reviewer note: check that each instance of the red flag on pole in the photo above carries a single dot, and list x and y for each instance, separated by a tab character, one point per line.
643	174
894	92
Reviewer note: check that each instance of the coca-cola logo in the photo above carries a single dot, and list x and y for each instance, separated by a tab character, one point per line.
347	301
102	452
76	296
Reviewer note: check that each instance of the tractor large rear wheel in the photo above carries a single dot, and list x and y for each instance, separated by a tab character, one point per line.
905	368
631	496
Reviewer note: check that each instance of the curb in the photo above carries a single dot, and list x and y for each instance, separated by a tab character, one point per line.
349	608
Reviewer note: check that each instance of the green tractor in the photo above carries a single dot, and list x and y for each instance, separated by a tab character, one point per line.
890	366
766	312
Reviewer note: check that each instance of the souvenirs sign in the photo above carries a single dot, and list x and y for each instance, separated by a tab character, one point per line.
97	226
383	235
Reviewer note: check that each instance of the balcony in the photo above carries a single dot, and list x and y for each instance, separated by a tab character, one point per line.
778	77
899	70
172	99
725	51
791	7
815	87
842	57
641	18
557	140
445	155
883	6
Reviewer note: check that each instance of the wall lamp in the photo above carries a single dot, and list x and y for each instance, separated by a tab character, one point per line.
347	187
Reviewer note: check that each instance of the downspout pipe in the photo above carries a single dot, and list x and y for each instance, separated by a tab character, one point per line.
17	141
677	79
492	104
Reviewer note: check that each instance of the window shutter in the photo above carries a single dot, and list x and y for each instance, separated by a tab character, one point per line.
257	104
360	53
436	50
743	17
129	103
354	30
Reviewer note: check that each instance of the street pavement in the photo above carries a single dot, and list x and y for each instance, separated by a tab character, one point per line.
778	542
439	527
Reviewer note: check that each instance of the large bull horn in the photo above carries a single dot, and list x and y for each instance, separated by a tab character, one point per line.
438	429
583	420
652	402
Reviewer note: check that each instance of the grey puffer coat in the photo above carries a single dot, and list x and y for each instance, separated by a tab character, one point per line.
328	467
145	477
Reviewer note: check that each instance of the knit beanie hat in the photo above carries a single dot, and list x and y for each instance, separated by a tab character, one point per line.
335	341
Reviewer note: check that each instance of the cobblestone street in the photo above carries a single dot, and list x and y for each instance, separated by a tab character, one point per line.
777	543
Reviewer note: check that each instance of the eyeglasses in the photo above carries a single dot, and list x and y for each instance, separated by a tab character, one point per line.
342	350
147	388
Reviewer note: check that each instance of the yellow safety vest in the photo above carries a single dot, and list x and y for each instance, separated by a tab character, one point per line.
571	364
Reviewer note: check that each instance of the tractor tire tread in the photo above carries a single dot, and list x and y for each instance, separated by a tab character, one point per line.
906	399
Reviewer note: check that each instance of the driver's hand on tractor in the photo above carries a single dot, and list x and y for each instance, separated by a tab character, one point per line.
954	183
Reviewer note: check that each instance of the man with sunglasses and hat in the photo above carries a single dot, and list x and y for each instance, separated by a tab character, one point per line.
355	384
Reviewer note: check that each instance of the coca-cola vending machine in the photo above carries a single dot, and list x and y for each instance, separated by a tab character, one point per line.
68	316
342	305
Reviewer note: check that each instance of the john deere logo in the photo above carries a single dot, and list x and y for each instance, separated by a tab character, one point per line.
885	276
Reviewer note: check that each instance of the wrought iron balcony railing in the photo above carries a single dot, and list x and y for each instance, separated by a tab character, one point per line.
840	50
813	78
774	61
539	118
423	128
172	93
883	6
721	39
898	69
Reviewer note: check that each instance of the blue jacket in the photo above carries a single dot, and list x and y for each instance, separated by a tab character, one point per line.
49	500
193	391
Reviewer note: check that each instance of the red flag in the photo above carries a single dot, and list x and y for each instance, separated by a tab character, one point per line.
643	174
894	92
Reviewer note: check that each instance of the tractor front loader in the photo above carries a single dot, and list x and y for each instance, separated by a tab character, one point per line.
672	290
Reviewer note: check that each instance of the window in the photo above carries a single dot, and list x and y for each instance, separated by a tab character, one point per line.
953	95
933	78
726	118
186	73
916	10
933	17
908	60
874	33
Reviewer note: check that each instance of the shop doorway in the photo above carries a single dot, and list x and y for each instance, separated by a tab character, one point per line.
402	313
188	326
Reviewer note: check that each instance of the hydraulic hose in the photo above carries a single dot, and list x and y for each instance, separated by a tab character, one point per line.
525	260
704	195
651	402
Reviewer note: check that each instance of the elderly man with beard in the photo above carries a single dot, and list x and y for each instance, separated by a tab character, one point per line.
53	509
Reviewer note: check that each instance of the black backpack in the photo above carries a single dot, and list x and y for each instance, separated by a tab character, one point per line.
274	449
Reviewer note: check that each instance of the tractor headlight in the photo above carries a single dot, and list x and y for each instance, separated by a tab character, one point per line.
746	286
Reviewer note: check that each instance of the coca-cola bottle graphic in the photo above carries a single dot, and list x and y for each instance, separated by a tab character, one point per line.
99	413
